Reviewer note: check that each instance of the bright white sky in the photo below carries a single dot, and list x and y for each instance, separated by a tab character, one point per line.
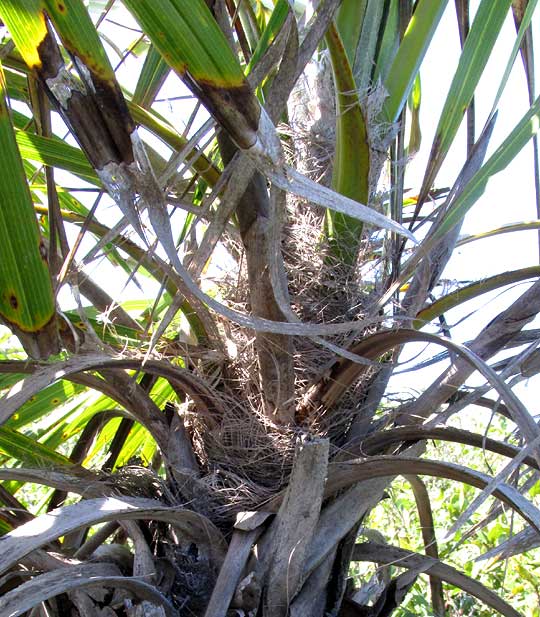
509	196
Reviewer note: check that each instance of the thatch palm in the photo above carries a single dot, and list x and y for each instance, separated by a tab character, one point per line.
266	396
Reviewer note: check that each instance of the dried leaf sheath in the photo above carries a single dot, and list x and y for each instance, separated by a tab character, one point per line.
89	100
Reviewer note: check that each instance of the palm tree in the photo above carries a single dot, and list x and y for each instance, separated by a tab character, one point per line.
216	447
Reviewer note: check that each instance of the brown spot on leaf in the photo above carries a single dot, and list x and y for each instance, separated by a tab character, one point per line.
13	302
43	250
61	7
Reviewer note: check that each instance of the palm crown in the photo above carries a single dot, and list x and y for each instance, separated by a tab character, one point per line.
231	432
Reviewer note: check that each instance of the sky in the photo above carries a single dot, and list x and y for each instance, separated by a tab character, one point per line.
509	196
504	200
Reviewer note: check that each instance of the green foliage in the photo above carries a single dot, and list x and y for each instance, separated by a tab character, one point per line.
397	517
